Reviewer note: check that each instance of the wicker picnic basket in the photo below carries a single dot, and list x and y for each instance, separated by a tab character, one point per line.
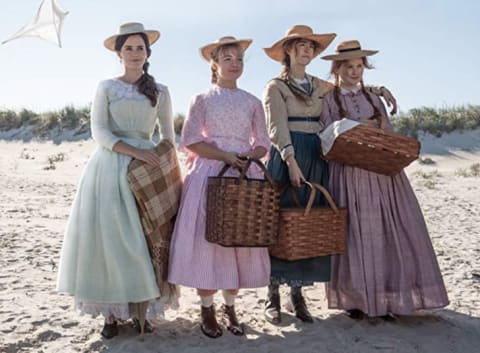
374	149
241	211
310	232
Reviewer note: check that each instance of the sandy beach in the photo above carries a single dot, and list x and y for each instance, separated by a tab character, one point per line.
38	181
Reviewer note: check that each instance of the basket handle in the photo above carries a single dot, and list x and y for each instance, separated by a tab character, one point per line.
243	173
325	193
313	187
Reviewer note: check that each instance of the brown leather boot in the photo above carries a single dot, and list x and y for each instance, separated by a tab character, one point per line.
272	305
231	321
299	306
209	324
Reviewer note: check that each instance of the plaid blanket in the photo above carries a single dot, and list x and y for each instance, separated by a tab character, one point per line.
157	191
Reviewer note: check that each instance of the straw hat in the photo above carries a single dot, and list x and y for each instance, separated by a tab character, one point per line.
299	32
350	49
131	28
207	50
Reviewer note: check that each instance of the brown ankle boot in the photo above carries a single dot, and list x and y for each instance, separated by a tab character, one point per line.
272	305
209	324
231	321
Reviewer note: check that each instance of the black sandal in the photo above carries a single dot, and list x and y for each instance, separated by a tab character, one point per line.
356	314
109	330
147	327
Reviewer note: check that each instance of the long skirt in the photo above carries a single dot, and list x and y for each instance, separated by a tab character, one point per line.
389	265
307	154
105	262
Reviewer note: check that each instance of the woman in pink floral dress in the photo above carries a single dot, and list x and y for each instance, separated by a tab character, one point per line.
223	125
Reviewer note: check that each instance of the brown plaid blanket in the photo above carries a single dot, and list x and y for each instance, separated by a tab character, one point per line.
157	191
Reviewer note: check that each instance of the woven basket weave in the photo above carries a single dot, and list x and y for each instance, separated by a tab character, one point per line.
374	149
311	232
242	212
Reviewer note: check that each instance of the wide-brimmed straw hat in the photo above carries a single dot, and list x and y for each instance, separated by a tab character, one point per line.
131	28
350	49
207	50
276	51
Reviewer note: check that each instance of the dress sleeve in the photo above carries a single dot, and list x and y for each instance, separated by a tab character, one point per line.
101	131
379	103
165	115
194	125
276	116
326	117
259	129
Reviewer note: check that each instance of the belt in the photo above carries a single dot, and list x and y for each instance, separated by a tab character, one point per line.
301	118
132	134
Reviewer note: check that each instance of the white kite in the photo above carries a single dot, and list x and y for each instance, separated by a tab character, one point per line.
47	24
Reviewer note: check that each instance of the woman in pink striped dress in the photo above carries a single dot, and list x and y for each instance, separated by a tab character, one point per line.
223	125
389	266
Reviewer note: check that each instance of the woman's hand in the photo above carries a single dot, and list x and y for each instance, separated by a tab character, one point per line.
148	156
235	160
294	172
369	121
389	99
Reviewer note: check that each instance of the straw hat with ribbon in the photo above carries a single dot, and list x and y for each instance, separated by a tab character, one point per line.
207	50
131	28
276	51
350	49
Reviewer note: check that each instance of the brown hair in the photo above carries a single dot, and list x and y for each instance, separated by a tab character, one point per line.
216	55
336	93
286	62
146	83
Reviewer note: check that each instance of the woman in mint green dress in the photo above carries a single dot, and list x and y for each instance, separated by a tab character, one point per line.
105	263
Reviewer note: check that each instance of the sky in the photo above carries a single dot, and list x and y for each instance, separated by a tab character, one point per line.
429	50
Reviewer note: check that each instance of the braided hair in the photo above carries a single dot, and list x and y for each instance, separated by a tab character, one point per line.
336	91
146	84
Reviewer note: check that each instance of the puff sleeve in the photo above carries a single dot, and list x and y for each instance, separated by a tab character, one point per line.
165	114
101	131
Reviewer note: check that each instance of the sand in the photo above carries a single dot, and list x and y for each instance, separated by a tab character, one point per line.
36	195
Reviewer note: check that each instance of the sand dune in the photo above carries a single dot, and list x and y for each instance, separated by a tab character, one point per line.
36	195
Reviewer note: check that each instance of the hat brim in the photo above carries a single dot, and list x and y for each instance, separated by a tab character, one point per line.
276	52
207	50
152	36
350	55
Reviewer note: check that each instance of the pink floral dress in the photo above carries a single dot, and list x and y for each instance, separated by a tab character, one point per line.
232	120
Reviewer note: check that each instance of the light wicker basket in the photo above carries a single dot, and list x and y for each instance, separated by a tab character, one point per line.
242	212
307	232
374	149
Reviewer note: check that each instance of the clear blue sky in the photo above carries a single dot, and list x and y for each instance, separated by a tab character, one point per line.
429	50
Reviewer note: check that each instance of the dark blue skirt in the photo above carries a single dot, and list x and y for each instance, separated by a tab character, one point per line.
307	152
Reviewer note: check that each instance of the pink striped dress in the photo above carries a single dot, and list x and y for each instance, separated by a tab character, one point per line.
232	120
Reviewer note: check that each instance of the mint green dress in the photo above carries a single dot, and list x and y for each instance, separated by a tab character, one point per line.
105	263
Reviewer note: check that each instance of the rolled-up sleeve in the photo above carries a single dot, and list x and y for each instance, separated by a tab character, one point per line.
165	114
101	131
276	116
259	129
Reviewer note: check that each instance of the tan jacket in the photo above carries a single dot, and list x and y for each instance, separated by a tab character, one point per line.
280	103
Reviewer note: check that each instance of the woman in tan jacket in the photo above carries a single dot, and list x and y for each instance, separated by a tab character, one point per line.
293	102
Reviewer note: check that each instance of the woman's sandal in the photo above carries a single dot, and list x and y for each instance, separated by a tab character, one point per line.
209	325
230	318
147	327
109	330
356	314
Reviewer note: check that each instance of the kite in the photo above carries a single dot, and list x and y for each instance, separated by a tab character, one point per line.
47	24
